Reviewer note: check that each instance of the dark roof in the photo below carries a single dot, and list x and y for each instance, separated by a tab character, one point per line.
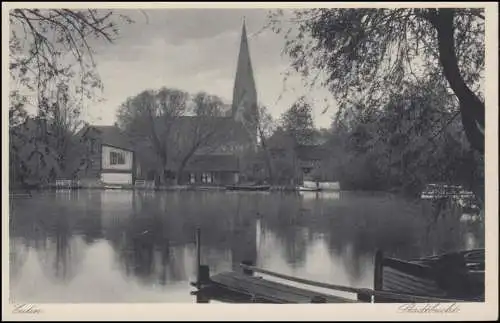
280	140
213	162
311	152
226	128
111	135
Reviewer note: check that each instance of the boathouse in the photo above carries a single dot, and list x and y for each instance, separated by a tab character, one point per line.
110	155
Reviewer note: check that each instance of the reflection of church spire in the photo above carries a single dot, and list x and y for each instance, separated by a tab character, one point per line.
244	91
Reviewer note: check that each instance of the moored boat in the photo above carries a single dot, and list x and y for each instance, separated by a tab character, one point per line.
308	189
248	187
455	275
113	187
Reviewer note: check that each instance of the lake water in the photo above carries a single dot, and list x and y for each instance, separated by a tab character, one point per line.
126	246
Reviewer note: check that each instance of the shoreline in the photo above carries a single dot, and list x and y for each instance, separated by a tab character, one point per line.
53	187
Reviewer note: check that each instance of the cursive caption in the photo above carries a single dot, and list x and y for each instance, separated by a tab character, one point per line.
429	308
26	309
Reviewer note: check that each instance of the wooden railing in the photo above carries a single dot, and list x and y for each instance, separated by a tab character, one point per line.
64	183
363	294
141	183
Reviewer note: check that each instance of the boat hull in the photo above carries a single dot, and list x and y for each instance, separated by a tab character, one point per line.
248	188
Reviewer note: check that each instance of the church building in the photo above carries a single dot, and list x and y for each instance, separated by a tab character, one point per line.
219	161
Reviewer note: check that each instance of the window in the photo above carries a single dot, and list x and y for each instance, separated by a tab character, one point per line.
116	158
206	178
92	145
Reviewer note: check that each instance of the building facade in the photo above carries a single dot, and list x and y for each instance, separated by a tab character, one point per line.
111	158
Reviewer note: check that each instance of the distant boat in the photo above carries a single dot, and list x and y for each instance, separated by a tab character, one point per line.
439	191
113	187
248	187
308	189
311	186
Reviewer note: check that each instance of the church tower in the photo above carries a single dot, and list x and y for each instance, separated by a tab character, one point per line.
244	106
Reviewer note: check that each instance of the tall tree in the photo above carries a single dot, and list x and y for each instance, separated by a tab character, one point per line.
371	53
204	132
149	118
174	125
265	125
52	65
50	46
298	122
414	139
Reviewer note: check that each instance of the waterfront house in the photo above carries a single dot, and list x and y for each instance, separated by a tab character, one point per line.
110	155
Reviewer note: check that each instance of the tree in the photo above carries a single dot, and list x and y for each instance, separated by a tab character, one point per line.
51	61
203	132
414	139
51	46
160	120
149	119
371	53
207	105
298	122
265	126
265	129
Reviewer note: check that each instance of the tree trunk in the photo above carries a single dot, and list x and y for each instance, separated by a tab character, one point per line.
267	157
471	107
179	175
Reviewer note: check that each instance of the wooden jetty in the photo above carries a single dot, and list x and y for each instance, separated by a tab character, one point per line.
394	281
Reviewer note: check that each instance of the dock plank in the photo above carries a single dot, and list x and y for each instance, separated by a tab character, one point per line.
270	291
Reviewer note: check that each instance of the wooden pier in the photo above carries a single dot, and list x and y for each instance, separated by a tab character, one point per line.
266	291
394	281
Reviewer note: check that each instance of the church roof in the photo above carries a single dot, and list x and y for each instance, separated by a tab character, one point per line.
244	91
222	129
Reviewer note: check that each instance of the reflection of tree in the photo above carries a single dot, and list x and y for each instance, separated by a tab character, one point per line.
60	254
243	230
295	242
17	257
50	234
286	217
142	243
91	223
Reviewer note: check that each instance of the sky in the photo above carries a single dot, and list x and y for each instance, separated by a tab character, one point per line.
197	50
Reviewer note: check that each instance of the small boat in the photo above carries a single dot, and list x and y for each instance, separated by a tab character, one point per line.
457	275
113	187
308	189
248	187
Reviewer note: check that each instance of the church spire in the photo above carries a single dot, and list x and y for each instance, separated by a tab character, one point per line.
244	93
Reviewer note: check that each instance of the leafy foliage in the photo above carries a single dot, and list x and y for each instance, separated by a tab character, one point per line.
52	68
415	139
42	151
298	122
163	122
371	54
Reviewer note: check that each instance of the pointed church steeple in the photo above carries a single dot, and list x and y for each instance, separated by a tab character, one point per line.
244	104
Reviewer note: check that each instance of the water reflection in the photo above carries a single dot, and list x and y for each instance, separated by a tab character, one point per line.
144	240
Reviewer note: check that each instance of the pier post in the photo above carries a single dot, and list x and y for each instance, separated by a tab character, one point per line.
198	255
246	271
378	277
364	297
318	299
